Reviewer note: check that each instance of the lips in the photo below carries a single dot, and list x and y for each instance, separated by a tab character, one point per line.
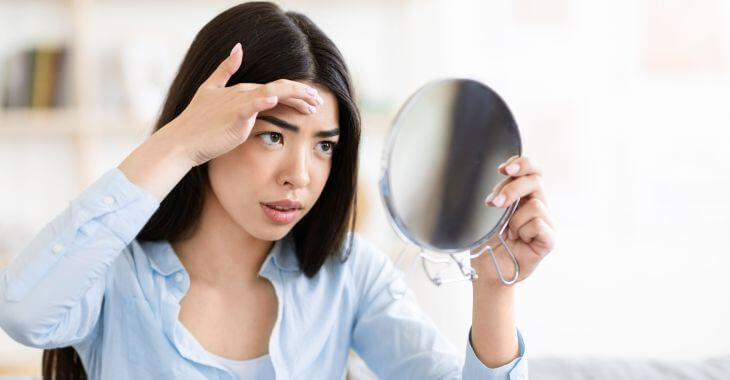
284	205
282	212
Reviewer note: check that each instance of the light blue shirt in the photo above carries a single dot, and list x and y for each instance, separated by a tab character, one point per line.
85	281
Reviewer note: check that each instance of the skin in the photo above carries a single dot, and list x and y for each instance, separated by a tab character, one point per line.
531	237
224	126
236	235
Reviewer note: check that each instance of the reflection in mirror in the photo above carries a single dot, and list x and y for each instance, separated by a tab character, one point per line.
440	163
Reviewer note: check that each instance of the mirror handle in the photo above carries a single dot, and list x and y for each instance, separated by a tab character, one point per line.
504	244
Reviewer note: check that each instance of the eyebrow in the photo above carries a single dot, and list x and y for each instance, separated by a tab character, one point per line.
286	125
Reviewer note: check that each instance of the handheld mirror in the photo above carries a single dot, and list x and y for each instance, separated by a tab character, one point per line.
439	164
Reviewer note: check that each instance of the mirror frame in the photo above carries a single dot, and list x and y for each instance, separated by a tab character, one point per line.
384	183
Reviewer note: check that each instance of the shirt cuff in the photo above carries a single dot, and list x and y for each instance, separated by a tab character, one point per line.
514	370
110	194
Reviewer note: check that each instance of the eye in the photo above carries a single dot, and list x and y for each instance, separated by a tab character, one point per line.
270	138
326	147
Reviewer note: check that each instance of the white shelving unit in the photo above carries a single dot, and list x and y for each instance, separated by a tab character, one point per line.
84	122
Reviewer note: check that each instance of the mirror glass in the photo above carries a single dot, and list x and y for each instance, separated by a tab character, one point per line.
440	163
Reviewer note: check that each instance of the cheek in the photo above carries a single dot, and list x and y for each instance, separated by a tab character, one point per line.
235	176
320	174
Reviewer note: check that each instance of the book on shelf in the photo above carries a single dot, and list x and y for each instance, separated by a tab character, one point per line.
35	78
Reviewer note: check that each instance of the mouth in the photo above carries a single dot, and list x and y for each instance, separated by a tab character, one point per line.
282	212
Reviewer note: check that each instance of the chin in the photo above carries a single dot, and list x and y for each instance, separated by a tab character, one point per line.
272	233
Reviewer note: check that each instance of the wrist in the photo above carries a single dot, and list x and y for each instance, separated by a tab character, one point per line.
492	290
171	147
158	164
487	273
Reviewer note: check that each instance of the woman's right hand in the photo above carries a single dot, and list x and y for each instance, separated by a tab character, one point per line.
220	118
217	120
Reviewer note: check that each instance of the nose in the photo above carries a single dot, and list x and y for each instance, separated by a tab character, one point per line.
295	171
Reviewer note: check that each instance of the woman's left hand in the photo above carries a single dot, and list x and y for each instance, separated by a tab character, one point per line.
530	232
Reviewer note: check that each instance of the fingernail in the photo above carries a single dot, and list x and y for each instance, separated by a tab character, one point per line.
235	47
271	99
510	234
499	200
320	101
311	91
513	169
489	198
312	109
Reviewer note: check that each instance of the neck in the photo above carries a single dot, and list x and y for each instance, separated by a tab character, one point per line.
220	253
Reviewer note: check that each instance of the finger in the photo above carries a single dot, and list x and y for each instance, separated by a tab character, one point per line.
226	69
526	212
539	235
517	166
243	87
516	188
254	104
497	188
299	105
287	89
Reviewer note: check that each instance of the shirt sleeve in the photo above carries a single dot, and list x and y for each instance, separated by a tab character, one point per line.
514	370
397	340
51	293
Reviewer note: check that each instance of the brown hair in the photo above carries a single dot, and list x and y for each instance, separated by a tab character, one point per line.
277	45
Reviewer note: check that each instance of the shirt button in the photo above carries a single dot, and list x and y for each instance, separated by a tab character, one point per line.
109	200
58	248
179	277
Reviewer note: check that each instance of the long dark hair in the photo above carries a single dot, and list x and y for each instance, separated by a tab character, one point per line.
276	45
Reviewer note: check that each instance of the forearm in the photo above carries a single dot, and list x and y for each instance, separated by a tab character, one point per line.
158	164
51	293
493	334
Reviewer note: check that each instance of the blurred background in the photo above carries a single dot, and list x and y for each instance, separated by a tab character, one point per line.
623	104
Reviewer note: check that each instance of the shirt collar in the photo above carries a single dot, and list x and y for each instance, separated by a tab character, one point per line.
164	261
284	254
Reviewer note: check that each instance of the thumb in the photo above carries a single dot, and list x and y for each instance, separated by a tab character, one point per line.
226	69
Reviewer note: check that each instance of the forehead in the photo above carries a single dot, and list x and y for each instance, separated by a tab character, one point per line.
325	118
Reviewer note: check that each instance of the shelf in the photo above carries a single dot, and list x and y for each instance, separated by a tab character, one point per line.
71	122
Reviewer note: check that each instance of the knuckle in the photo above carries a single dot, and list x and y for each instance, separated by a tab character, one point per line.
268	89
240	87
538	179
534	204
524	160
540	185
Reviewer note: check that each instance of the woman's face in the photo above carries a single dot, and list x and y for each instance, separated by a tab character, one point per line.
287	157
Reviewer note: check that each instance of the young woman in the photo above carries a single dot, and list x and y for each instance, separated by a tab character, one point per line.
221	247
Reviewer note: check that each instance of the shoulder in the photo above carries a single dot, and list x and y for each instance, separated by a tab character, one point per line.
367	264
362	253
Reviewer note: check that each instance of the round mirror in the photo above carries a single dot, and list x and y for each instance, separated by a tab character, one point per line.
440	162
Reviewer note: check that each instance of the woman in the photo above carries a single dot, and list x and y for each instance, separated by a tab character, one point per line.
220	247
